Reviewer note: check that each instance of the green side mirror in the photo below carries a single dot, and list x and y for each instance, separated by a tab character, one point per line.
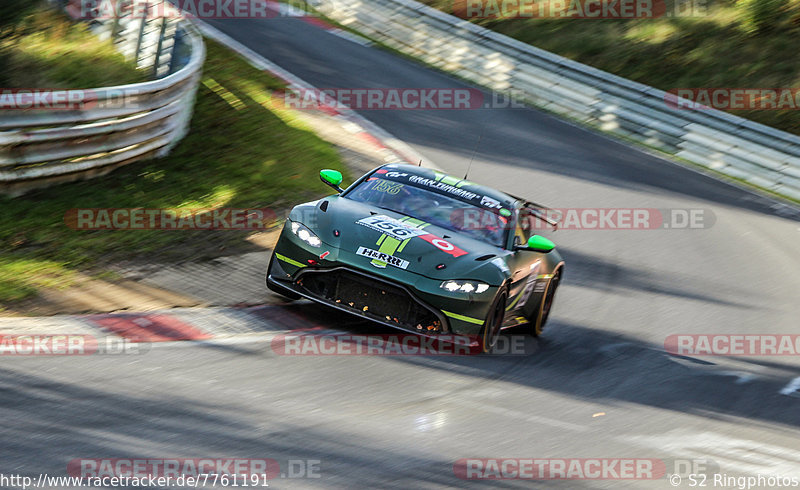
538	243
332	178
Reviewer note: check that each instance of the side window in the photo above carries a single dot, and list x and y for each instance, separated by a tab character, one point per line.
523	229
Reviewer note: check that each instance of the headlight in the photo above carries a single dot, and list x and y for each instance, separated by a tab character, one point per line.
305	234
464	286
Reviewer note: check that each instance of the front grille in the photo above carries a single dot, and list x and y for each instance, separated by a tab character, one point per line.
370	297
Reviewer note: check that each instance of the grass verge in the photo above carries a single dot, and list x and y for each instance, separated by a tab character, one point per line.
242	151
45	49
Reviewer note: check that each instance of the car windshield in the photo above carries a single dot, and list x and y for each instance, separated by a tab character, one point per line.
446	212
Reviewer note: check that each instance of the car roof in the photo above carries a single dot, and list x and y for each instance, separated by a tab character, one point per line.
442	183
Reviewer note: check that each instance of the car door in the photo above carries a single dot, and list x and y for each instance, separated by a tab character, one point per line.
524	266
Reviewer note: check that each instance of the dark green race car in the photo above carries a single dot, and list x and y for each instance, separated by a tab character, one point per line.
421	251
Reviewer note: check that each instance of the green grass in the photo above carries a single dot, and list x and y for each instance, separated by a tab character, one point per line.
44	49
726	47
243	151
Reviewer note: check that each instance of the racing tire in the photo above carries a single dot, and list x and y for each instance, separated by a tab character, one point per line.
546	305
494	322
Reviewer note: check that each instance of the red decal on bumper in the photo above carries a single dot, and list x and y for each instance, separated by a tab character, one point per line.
443	245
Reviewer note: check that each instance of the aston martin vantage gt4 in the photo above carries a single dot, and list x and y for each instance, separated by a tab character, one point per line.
421	251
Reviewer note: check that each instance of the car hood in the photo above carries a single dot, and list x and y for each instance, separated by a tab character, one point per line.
436	253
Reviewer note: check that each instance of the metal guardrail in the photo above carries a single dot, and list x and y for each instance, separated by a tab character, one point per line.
737	147
112	126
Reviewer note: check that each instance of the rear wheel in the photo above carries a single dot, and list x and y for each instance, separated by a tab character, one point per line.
547	304
494	322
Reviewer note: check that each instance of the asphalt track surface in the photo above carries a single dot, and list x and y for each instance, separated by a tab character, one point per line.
404	421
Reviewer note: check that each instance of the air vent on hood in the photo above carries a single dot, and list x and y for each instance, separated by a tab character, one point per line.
323	206
484	257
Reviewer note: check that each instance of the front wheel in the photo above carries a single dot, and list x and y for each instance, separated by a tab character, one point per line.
494	322
547	304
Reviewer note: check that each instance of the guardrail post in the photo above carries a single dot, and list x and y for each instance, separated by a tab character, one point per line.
112	32
162	30
142	24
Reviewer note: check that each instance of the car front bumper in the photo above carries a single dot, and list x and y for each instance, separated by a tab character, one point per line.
393	297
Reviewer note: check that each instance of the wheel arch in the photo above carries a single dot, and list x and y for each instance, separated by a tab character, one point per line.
538	323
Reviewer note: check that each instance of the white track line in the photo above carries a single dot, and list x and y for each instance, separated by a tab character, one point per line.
791	388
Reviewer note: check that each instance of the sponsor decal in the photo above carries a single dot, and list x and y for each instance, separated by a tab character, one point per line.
443	245
531	286
290	261
444	187
450	185
382	258
387	187
446	184
490	202
390	227
389	245
401	232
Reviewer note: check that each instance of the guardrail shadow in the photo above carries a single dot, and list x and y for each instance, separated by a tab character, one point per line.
51	420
